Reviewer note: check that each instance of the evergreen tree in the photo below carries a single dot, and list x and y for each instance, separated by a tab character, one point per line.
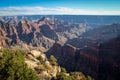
13	67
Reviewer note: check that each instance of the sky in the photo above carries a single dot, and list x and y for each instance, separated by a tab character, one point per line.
59	7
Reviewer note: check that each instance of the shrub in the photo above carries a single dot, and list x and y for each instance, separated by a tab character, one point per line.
63	76
63	70
53	60
41	59
13	67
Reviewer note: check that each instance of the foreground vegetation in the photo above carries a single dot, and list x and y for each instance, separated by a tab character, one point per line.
13	67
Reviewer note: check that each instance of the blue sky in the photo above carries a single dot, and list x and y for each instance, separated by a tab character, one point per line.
78	7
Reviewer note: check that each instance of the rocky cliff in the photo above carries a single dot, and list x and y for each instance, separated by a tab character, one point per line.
84	53
98	60
43	32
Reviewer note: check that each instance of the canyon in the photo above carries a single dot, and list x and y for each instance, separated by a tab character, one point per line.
78	46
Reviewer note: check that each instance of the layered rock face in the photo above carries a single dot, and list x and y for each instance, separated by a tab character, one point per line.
100	61
73	59
109	64
42	32
98	57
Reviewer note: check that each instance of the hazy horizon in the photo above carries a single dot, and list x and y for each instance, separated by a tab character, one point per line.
59	7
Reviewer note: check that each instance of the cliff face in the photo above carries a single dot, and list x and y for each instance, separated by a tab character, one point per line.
3	28
109	60
93	52
85	60
42	32
100	61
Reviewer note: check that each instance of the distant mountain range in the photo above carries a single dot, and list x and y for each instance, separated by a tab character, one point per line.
90	20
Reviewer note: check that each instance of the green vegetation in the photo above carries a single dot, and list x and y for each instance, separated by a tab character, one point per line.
89	78
53	60
63	70
13	66
41	60
77	76
63	76
72	76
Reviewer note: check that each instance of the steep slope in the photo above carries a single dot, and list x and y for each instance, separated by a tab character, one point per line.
83	53
73	59
100	61
109	66
26	32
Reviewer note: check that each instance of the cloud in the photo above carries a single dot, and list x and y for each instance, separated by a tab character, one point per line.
25	10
